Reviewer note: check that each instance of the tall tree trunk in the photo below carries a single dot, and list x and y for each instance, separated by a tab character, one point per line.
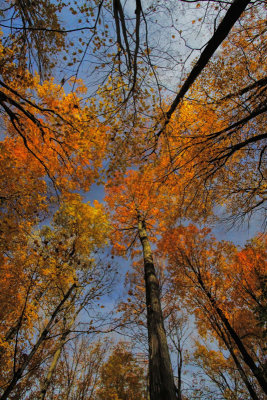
59	349
18	374
53	365
244	377
179	371
256	371
161	381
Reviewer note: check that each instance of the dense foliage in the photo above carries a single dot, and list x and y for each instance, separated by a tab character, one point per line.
160	104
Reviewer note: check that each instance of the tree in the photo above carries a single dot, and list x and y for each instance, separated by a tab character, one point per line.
204	265
121	377
135	206
194	136
220	370
221	143
132	316
44	158
78	370
66	279
31	33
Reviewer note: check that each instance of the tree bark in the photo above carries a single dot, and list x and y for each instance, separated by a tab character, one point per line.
179	368
161	381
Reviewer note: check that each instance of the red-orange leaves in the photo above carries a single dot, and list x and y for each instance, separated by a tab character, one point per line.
136	194
212	275
52	144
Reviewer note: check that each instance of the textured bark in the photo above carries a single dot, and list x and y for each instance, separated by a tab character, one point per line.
161	381
179	372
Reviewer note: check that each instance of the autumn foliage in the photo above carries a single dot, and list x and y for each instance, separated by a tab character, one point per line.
130	295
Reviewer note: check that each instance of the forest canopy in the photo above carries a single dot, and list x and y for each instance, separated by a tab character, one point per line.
132	133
